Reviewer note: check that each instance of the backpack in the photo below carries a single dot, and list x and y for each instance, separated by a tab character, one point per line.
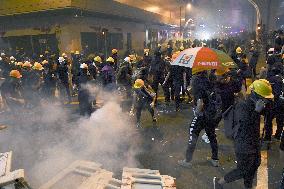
232	121
107	76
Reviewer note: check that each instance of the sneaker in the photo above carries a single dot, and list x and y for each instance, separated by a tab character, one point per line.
216	185
214	162
184	163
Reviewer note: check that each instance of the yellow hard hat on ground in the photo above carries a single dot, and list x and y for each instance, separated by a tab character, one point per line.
98	59
138	84
37	66
15	74
263	88
114	51
27	64
110	59
239	50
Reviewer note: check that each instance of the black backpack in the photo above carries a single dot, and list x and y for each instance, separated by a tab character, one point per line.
232	121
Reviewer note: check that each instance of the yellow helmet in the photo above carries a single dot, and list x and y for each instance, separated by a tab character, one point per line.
44	62
98	59
138	84
77	52
110	59
64	55
245	60
263	88
15	74
146	50
27	64
132	57
239	50
19	64
114	51
181	48
37	66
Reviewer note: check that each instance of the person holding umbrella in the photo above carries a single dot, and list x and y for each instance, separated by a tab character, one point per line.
206	100
205	114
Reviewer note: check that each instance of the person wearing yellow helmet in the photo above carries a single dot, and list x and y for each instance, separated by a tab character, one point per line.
11	92
246	134
49	81
142	98
37	66
108	74
114	55
19	65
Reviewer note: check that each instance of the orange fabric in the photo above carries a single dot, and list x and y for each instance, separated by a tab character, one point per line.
206	59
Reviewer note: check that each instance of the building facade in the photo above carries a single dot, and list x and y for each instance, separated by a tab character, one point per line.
84	25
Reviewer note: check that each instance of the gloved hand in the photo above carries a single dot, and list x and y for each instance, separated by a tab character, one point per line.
259	106
131	113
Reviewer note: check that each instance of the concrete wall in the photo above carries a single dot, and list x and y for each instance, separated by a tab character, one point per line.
68	29
70	33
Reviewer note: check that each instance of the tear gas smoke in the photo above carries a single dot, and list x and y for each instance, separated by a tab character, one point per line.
50	139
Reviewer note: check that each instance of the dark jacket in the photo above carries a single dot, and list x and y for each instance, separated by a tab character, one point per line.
143	96
247	139
227	92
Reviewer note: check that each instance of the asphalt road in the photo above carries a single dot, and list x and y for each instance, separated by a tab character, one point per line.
160	147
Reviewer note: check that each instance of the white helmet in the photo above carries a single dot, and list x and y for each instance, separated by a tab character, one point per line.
84	66
61	59
127	59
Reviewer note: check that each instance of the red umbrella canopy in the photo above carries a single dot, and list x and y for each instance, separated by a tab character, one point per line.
203	58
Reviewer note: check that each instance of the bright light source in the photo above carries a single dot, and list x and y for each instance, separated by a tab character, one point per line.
188	6
153	9
183	19
205	35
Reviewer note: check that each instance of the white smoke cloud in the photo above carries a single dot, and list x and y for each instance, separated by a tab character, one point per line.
50	139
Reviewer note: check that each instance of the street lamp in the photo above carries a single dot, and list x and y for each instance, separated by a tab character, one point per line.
188	6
